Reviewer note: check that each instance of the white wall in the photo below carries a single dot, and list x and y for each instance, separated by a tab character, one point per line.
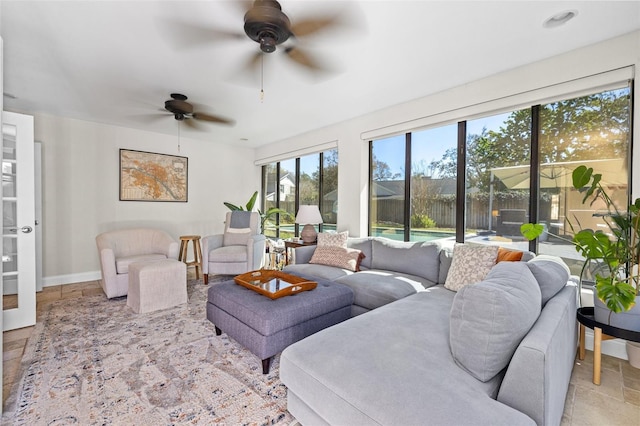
81	190
498	93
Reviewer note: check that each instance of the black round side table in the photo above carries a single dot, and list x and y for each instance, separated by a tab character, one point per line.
600	332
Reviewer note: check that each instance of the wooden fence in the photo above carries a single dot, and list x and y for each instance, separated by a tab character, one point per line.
443	212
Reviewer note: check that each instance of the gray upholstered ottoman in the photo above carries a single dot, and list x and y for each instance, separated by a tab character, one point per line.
266	326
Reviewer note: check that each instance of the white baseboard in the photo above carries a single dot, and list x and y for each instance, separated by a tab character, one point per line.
71	278
613	347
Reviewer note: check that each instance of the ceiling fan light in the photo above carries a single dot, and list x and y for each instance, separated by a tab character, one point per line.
267	44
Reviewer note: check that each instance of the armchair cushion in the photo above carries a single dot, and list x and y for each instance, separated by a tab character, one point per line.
228	254
122	263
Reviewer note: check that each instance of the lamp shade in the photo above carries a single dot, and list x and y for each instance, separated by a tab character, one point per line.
308	214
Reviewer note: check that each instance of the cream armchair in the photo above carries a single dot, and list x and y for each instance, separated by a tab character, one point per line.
118	249
240	249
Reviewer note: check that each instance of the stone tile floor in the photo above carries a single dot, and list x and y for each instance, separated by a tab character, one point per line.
615	402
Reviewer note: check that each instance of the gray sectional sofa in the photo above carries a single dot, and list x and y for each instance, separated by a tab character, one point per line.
395	364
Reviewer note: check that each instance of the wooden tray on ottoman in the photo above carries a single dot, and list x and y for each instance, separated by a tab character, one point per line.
274	284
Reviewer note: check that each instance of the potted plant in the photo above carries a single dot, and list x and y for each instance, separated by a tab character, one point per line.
264	216
617	253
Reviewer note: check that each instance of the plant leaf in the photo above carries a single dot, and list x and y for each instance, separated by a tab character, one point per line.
232	207
531	231
252	201
581	176
619	296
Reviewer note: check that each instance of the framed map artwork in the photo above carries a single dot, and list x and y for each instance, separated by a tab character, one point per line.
146	176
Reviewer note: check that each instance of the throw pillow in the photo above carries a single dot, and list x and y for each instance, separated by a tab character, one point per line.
236	236
334	239
551	273
339	257
488	320
470	265
505	255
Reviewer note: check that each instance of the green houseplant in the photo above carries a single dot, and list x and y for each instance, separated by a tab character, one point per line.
264	216
616	251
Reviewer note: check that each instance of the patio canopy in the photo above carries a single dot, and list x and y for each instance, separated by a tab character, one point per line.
558	175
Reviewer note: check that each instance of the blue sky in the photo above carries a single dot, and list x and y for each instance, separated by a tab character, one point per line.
430	144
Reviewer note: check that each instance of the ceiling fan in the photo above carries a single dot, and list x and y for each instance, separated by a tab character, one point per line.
266	24
184	111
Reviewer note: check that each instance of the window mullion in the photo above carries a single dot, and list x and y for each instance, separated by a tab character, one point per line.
461	180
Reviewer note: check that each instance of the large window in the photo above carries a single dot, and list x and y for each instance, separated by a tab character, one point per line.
496	207
312	179
433	183
495	195
387	204
592	130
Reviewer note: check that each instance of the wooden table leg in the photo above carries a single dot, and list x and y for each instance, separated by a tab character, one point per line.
597	355
581	347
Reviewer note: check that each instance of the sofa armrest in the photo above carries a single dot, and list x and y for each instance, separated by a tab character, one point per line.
303	254
537	378
209	243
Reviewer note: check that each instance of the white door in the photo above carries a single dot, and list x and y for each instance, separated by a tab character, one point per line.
18	210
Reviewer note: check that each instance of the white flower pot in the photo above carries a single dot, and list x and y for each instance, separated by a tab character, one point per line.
633	353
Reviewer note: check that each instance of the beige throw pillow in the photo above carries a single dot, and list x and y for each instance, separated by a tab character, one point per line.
339	257
470	265
333	239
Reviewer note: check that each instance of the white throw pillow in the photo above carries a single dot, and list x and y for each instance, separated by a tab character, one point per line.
470	265
333	239
340	257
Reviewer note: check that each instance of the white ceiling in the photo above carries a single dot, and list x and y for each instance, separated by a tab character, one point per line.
116	62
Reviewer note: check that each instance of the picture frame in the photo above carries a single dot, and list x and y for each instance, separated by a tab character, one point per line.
150	176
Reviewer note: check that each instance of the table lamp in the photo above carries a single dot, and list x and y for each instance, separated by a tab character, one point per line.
308	215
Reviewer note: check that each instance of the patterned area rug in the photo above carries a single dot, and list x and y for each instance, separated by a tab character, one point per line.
94	361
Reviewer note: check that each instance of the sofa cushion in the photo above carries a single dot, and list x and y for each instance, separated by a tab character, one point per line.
470	265
489	319
375	288
311	271
122	263
340	257
364	245
335	239
551	273
446	257
415	258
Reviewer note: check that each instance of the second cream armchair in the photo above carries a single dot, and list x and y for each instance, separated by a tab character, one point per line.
240	249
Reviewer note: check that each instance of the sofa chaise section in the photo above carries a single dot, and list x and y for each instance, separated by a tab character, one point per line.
441	357
399	368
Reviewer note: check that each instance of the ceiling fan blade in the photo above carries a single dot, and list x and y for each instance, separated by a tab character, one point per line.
151	118
184	34
213	118
311	26
304	59
191	123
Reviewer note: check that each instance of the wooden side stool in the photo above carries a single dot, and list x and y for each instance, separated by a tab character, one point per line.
197	252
